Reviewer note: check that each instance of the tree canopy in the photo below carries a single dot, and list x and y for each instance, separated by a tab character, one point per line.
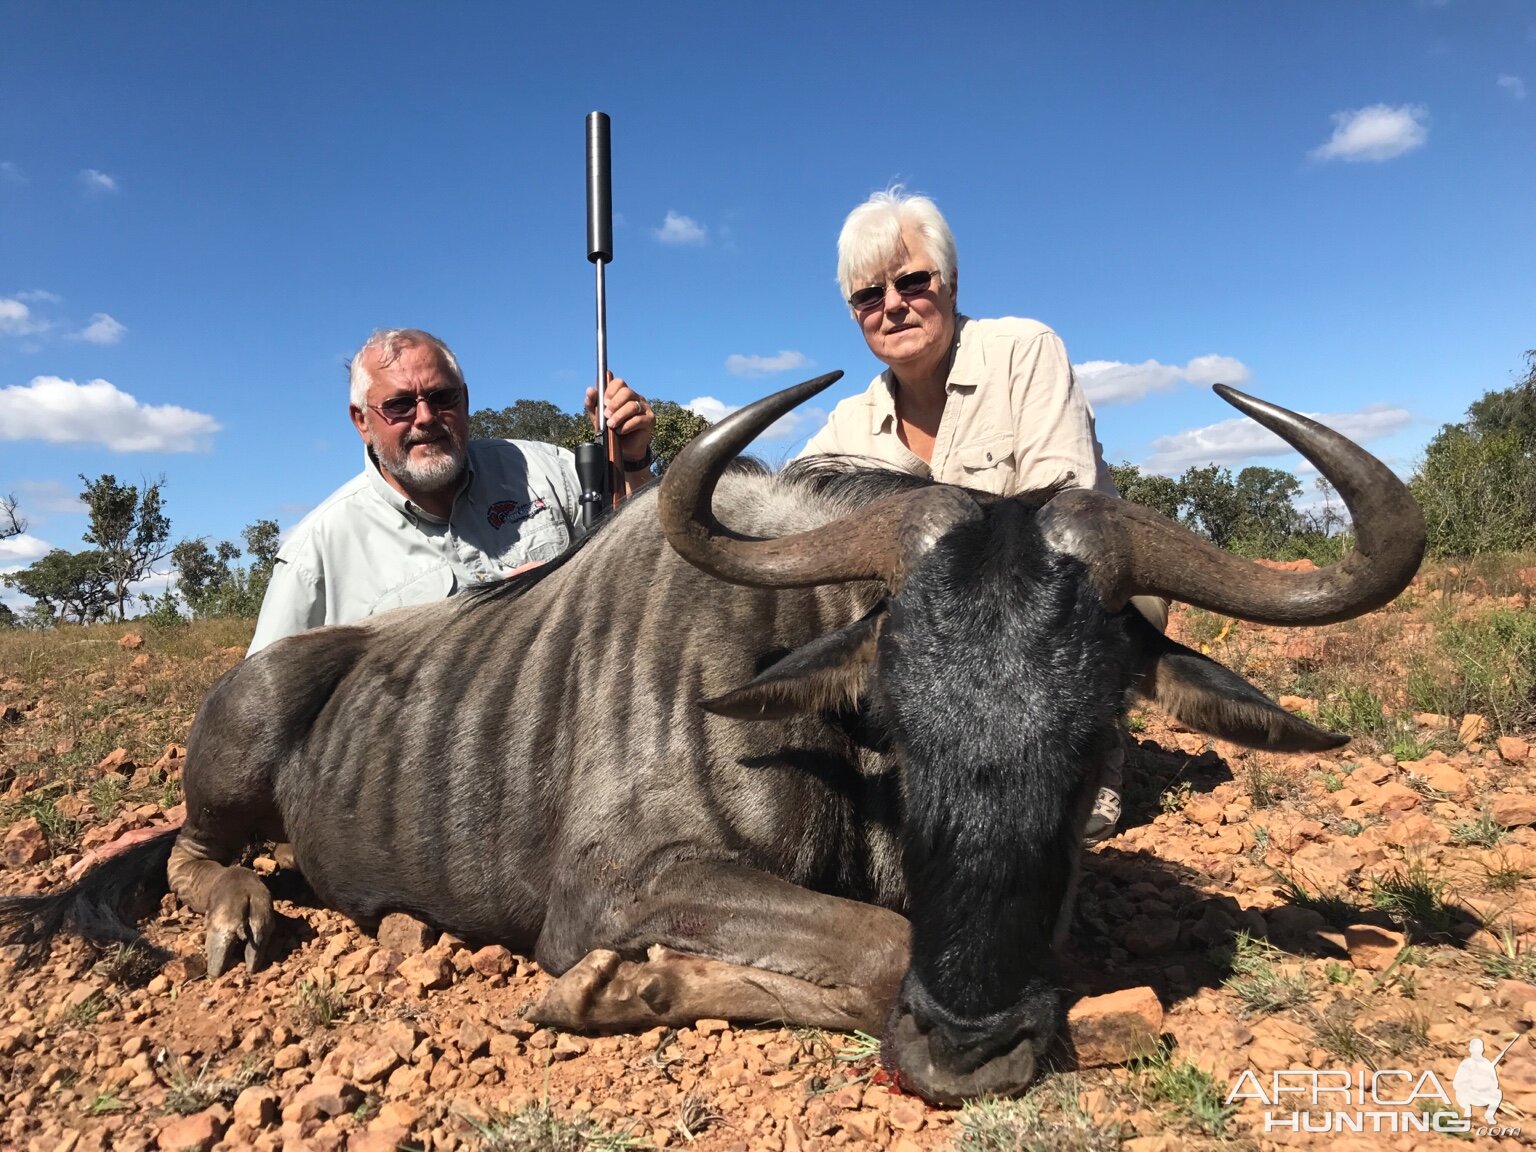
1477	481
543	421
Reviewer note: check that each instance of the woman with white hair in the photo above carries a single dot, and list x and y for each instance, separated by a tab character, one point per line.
986	404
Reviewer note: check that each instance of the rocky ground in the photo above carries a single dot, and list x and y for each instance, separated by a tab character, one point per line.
1365	910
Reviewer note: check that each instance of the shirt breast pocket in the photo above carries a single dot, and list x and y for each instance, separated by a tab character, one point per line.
988	465
541	537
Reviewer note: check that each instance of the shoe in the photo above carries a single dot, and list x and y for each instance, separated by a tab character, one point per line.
1104	818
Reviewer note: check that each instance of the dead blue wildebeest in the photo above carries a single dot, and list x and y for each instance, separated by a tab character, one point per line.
871	822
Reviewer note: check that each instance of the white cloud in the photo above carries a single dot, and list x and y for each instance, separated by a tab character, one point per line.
16	319
765	365
102	330
38	296
11	173
680	229
1514	86
64	412
19	551
97	181
790	426
1240	439
1379	132
1113	382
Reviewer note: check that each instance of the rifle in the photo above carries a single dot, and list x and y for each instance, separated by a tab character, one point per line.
598	466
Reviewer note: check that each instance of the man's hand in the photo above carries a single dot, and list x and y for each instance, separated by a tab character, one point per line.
629	415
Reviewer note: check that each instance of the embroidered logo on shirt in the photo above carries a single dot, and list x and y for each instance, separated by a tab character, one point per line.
512	511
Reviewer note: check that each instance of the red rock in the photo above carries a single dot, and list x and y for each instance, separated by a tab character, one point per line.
1146	936
1512	748
1415	828
1513	809
1373	948
1115	1028
401	1038
25	843
140	661
383	1138
1391	798
131	640
1451	781
256	1107
1293	922
1507	992
427	970
322	1097
711	1027
492	960
375	1064
1473	728
200	1132
116	761
567	1045
404	934
1433	720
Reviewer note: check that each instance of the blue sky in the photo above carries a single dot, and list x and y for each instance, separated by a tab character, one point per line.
204	208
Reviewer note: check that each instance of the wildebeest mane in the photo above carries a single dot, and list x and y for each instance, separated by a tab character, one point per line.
854	481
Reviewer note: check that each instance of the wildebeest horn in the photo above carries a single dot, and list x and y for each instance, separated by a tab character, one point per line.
1130	549
876	544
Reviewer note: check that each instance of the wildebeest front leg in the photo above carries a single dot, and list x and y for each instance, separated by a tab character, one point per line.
726	941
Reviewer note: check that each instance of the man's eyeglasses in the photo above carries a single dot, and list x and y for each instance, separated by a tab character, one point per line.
907	285
399	408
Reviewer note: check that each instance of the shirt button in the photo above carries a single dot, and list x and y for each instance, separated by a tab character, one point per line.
989	457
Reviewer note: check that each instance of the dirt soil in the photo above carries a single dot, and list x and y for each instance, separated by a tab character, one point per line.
1365	910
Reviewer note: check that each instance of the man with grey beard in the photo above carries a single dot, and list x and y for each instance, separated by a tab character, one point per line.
432	511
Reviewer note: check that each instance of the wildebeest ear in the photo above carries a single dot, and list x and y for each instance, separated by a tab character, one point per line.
1210	698
823	676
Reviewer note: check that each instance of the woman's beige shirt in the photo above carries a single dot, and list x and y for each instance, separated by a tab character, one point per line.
1014	418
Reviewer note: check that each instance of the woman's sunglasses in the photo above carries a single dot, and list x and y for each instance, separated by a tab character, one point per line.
907	285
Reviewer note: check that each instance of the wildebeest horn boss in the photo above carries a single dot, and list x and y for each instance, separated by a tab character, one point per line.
873	820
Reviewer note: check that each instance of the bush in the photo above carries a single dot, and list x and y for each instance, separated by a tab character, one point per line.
1485	664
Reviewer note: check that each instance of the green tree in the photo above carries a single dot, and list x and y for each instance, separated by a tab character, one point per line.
1512	410
8	618
129	529
528	420
1268	516
1160	493
67	584
204	576
211	581
541	420
675	426
1210	503
1477	481
261	541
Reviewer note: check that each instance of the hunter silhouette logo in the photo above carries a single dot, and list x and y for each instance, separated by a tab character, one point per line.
1476	1083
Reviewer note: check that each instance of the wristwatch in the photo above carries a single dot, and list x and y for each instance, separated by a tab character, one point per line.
643	463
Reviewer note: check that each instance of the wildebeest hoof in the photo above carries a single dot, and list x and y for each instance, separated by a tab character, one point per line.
239	913
603	992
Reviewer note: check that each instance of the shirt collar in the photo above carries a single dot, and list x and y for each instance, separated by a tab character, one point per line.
402	503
